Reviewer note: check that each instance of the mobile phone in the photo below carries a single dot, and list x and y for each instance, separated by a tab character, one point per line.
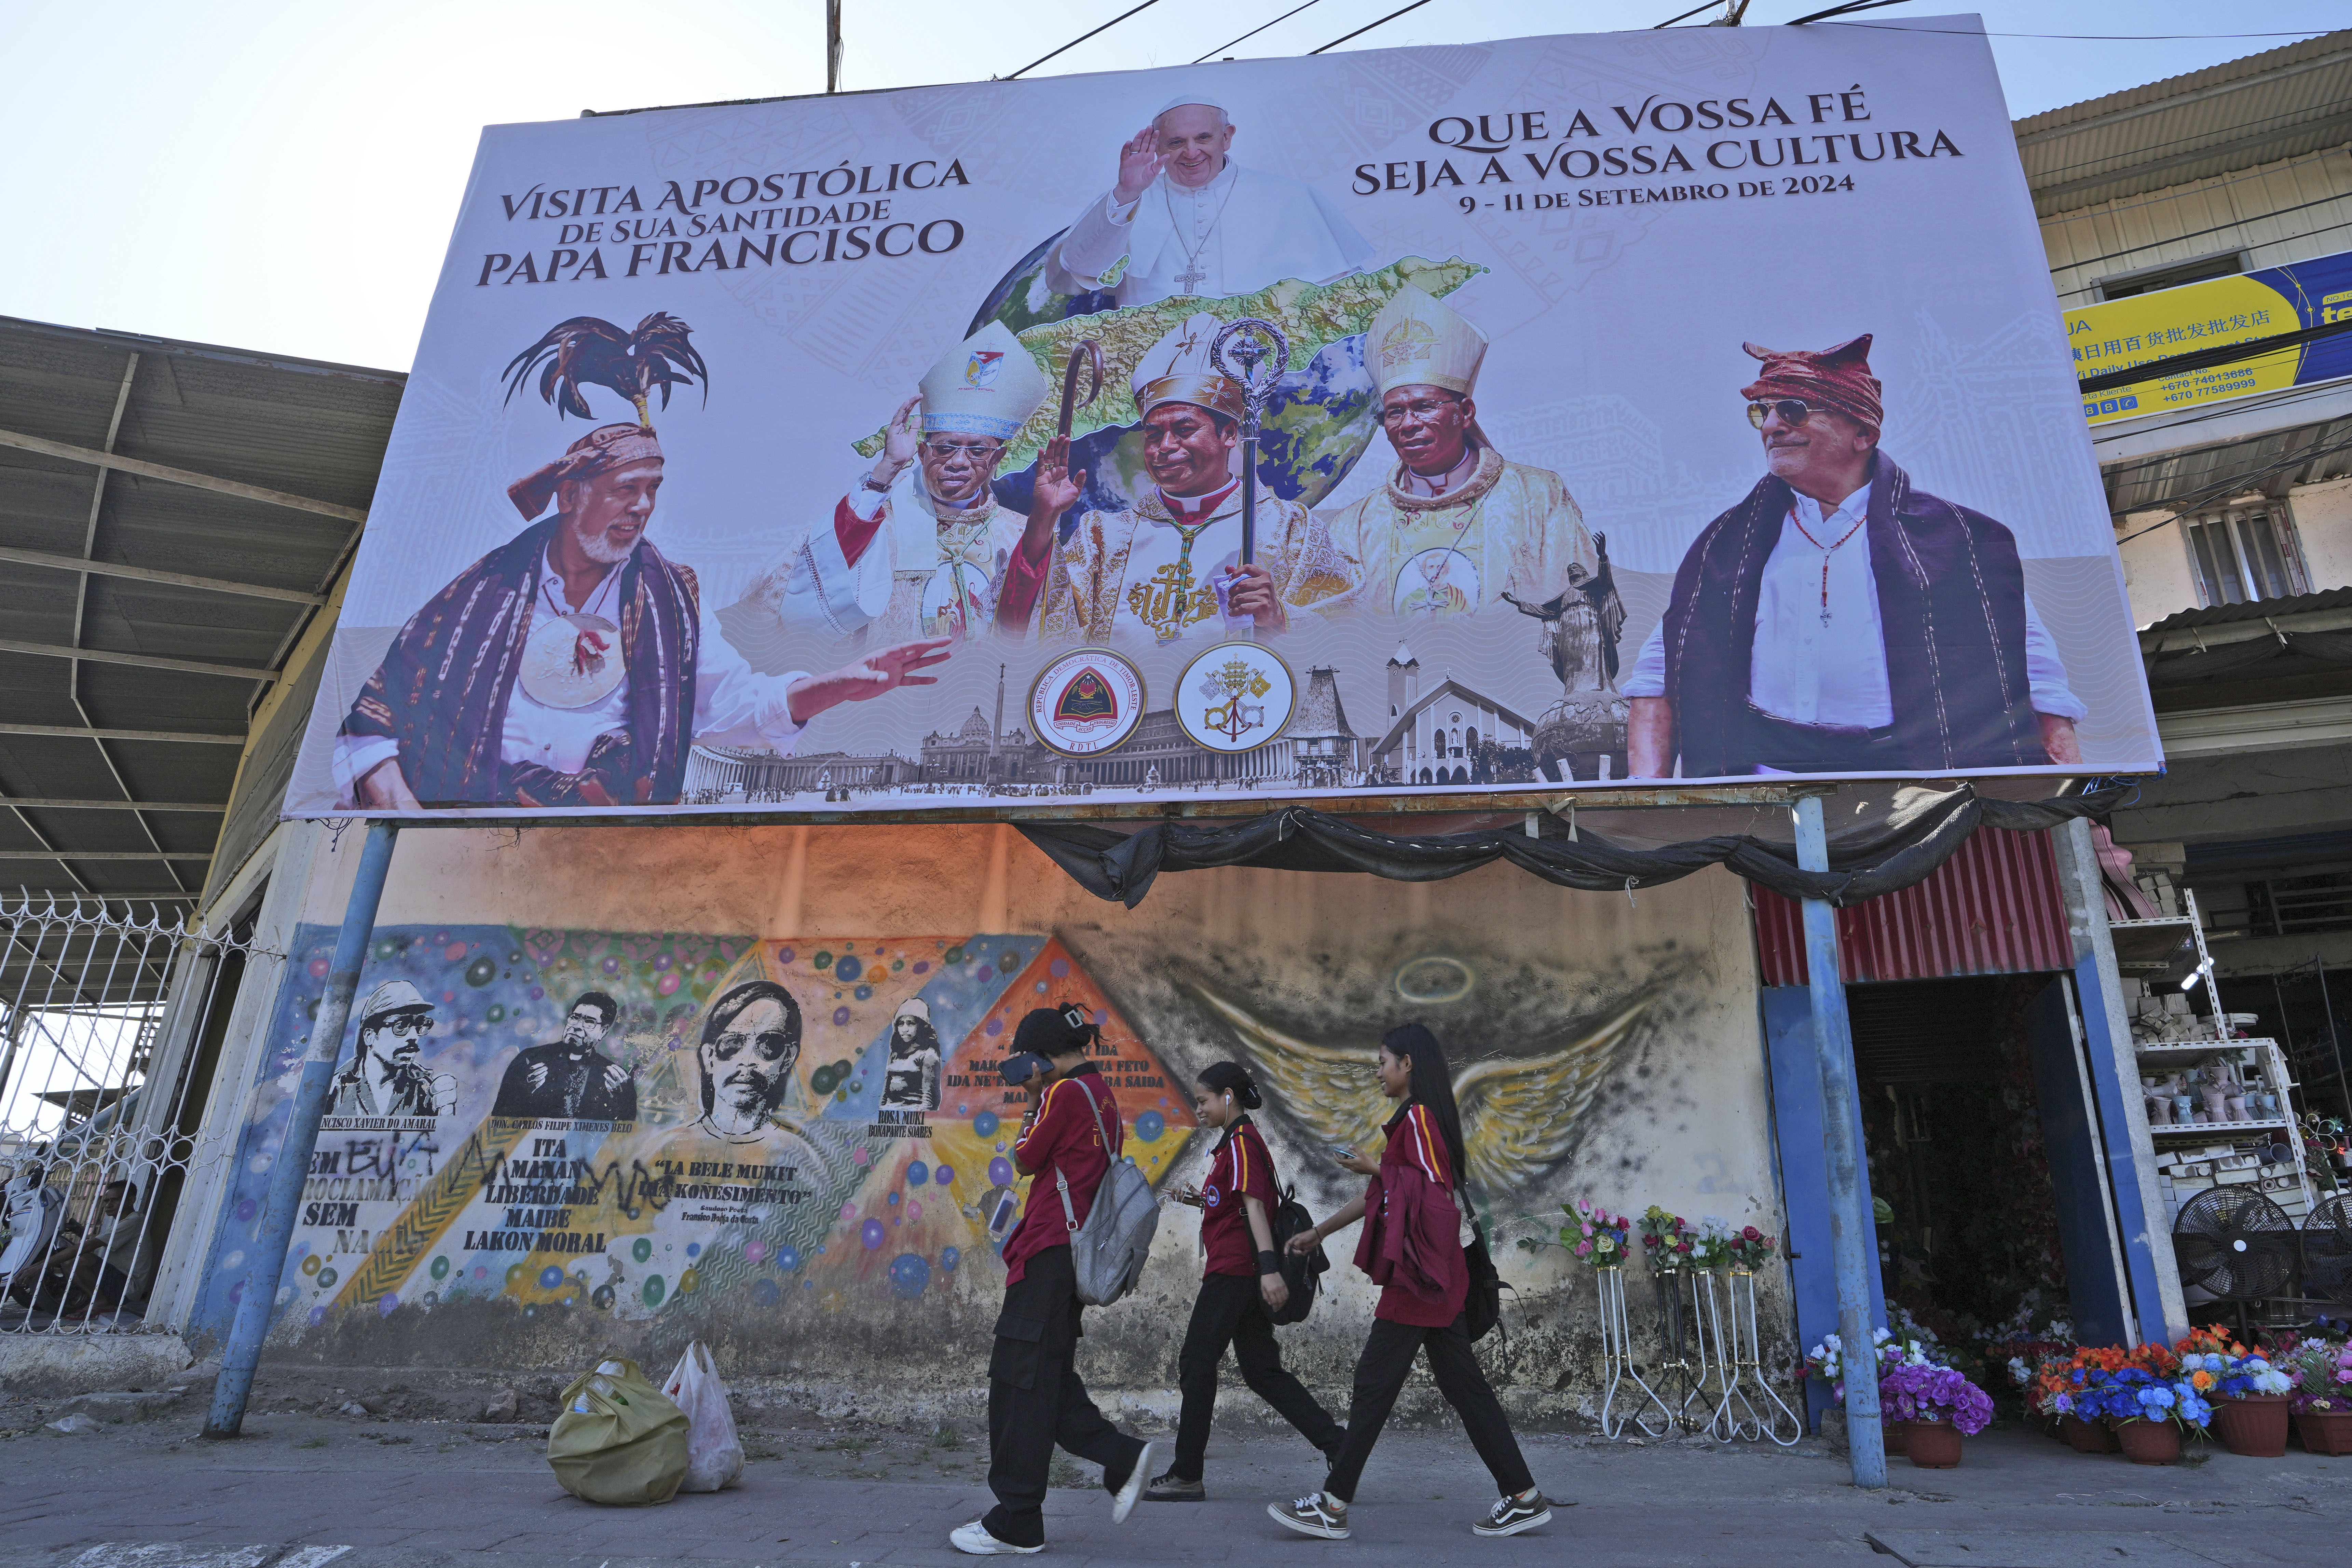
1343	1152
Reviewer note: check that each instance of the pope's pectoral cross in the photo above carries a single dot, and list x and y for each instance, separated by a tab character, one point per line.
1191	277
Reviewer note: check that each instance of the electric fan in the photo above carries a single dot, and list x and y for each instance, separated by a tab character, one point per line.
2234	1243
2327	1251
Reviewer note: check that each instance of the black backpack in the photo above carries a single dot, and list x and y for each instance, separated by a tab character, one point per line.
1302	1271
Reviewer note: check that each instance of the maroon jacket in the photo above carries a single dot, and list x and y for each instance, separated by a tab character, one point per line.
1412	1240
1063	1139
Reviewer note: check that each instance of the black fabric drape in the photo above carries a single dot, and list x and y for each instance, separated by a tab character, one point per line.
1911	844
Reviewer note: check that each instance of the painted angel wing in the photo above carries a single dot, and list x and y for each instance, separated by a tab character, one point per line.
1519	1113
1328	1088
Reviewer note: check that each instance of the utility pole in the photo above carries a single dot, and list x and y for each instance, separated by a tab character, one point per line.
833	46
1853	1244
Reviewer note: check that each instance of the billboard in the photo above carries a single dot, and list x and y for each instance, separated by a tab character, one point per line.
1473	419
2220	312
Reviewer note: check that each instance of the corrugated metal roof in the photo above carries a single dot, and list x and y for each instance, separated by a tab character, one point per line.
297	426
2277	104
2253	610
1992	908
2272	463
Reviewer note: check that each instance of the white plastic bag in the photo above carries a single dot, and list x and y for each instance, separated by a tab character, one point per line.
714	1456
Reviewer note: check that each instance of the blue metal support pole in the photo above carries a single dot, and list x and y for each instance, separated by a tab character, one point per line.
243	1353
1852	1236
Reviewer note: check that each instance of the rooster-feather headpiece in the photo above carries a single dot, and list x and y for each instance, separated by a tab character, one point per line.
589	352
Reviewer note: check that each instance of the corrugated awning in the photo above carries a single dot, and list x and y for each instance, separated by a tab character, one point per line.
177	513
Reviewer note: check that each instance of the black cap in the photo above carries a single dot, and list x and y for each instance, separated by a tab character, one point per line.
1055	1031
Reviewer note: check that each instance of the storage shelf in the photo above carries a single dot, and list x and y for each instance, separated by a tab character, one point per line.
2218	1131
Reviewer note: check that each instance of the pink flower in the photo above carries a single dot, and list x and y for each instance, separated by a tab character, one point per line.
1584	1249
1584	1205
1588	1230
1752	1234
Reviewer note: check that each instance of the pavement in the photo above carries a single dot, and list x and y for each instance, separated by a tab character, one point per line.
313	1483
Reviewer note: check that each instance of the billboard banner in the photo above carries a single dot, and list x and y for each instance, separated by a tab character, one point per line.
1526	414
2217	313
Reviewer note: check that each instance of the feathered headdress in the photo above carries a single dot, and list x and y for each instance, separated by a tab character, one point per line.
589	352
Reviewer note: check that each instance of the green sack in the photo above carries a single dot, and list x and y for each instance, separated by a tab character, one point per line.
618	1440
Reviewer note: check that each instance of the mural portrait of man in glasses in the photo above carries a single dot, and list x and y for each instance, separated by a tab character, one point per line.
387	1076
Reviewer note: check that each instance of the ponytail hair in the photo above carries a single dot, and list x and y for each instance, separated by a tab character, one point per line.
1219	1076
1432	1087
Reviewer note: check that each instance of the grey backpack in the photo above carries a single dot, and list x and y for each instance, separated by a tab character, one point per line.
1108	1250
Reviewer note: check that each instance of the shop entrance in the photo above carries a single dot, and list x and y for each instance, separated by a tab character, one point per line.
1984	1161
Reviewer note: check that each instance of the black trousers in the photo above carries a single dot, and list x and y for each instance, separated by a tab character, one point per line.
1229	1310
1036	1401
1381	1373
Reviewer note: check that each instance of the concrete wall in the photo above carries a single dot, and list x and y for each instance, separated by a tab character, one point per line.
1626	1035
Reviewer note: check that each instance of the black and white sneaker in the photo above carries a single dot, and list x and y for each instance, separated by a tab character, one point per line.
1173	1487
1122	1501
1316	1513
1511	1515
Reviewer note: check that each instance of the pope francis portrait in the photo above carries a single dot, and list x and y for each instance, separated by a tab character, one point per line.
1193	224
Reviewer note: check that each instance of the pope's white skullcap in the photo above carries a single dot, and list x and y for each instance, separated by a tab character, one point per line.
1179	101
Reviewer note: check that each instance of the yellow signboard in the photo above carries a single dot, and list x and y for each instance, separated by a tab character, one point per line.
2300	296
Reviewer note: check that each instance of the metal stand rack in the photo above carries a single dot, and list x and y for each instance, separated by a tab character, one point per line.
1739	1365
1618	1367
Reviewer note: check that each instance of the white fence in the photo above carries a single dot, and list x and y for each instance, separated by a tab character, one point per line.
112	1025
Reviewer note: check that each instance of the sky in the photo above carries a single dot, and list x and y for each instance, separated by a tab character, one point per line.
282	177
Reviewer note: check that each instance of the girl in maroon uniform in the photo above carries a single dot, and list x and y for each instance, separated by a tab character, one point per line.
1241	1288
1416	1229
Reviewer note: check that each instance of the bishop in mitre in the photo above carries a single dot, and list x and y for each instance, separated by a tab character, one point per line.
1456	527
1191	223
919	544
1169	568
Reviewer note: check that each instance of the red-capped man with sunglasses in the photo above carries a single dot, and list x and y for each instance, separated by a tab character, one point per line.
1839	620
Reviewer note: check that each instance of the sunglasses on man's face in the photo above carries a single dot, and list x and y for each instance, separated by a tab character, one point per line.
1792	411
976	452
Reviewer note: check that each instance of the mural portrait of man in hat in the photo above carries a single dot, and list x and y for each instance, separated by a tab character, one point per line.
573	665
919	545
386	1077
1456	527
1192	222
1170	567
1841	620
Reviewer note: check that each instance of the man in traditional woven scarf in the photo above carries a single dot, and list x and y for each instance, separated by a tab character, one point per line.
1839	620
470	708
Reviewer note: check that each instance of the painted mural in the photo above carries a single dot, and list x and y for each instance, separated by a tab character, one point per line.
641	1124
551	1140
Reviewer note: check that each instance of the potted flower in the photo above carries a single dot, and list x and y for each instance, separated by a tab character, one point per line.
2250	1398
2070	1388
1938	1405
2149	1403
1826	1363
2321	1371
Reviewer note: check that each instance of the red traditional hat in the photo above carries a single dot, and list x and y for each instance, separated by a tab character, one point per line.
1838	379
607	448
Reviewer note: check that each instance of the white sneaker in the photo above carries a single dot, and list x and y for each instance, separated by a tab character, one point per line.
1122	1501
1316	1513
974	1539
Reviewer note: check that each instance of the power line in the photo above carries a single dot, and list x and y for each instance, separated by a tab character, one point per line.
2094	37
1849	7
1081	38
1686	15
1367	26
1261	27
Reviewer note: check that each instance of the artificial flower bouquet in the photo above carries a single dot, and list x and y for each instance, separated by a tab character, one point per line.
1711	1244
2321	1373
1752	1249
1666	1237
1918	1391
1592	1233
1826	1361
